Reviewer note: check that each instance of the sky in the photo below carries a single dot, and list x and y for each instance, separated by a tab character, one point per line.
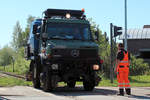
103	12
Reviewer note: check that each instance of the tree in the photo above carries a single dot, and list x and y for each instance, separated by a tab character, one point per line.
17	36
104	47
6	54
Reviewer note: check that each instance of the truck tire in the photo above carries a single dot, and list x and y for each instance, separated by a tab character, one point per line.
71	84
88	85
36	76
46	82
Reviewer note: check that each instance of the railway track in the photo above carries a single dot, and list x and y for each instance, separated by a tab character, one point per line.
13	75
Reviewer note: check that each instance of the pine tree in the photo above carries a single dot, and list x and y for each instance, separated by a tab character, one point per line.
17	36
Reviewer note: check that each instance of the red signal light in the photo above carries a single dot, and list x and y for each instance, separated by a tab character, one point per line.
101	61
83	10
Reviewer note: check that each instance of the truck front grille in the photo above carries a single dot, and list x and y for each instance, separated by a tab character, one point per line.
75	53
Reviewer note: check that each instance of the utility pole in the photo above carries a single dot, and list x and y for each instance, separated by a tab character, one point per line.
111	59
13	64
126	44
13	61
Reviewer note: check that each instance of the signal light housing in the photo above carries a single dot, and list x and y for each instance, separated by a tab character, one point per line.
117	31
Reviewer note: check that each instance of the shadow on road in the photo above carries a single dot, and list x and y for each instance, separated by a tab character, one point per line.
2	96
79	91
140	97
148	94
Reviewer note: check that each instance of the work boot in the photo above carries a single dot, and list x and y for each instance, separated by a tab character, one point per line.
121	92
128	91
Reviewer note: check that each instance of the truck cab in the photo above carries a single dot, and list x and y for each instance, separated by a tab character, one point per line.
61	48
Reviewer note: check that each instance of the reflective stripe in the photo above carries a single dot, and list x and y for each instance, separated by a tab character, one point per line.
124	61
120	83
127	87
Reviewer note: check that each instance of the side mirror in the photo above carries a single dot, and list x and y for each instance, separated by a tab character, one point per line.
34	29
96	35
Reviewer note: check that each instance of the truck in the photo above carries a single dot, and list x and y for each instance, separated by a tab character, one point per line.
62	48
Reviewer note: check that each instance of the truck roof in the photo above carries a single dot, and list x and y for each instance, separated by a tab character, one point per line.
79	14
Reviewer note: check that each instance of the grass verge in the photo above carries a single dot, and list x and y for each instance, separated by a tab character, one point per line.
10	81
135	81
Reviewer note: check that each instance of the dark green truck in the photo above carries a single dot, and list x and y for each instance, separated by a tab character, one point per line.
62	49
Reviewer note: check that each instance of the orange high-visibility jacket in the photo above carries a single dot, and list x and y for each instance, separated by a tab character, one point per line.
125	61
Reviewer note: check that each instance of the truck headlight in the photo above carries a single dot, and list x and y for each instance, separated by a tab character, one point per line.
95	67
54	66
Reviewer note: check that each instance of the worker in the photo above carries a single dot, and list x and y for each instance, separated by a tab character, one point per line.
122	70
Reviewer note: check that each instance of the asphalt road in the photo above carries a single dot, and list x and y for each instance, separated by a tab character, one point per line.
64	93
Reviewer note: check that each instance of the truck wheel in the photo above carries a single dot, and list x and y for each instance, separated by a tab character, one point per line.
71	84
36	76
47	83
88	85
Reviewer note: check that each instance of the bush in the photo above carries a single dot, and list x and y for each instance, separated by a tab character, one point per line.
5	56
138	67
21	64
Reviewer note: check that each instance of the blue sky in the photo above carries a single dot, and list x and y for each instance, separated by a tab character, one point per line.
103	13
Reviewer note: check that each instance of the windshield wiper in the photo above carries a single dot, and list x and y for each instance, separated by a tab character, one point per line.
56	37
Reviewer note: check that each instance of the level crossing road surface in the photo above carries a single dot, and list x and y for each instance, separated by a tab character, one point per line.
64	93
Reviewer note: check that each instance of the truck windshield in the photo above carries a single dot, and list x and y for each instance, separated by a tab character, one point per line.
69	31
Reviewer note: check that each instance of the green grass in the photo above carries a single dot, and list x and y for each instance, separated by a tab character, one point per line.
135	81
17	70
10	81
140	81
21	66
106	82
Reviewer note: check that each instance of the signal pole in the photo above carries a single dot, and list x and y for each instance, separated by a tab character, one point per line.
111	53
114	32
126	45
